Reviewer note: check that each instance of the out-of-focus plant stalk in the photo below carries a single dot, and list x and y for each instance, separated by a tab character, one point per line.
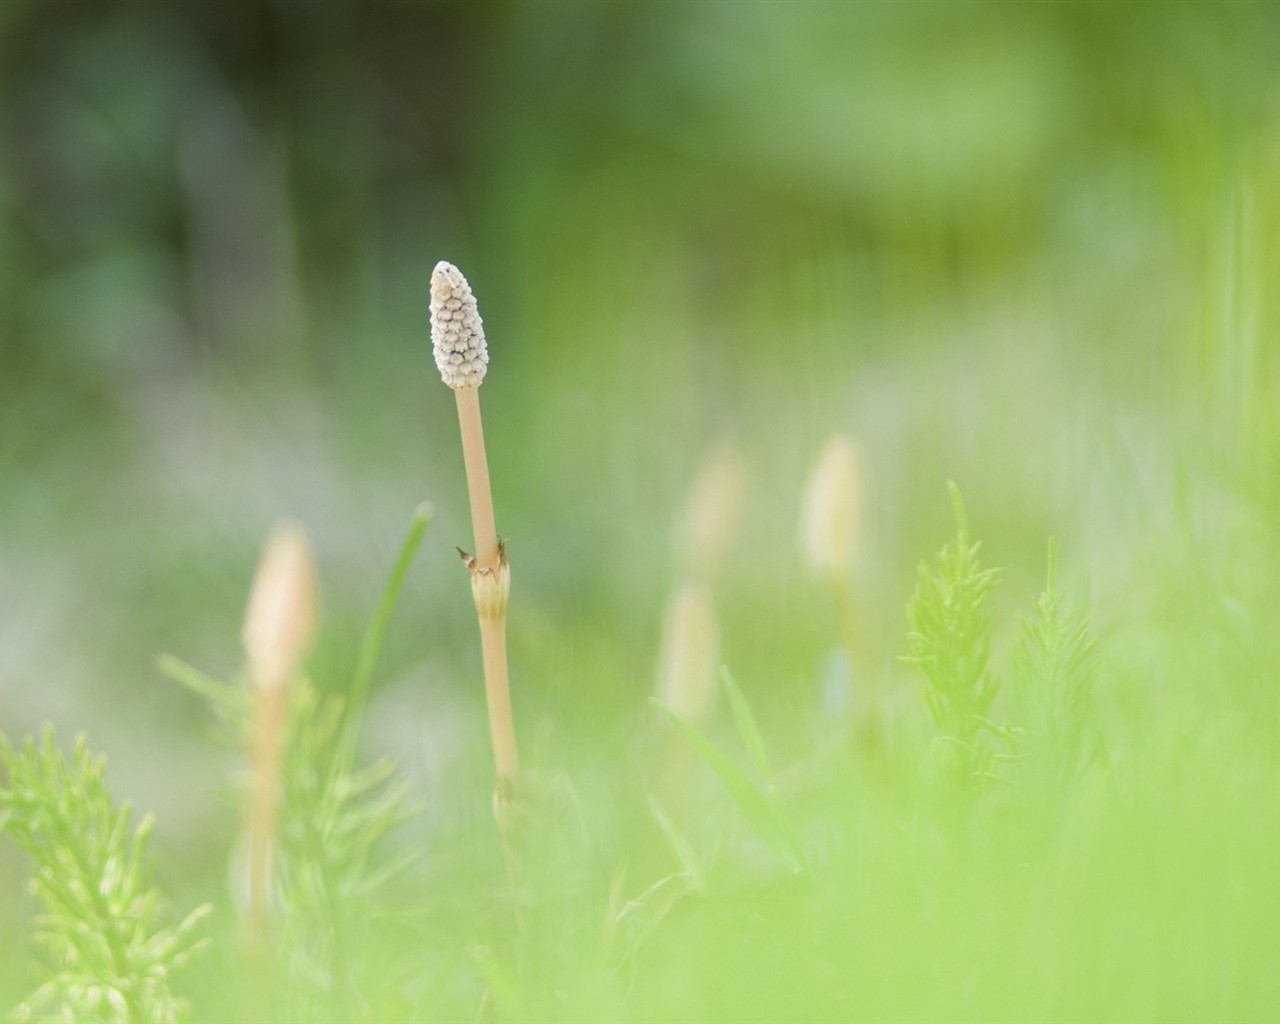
278	630
689	657
831	529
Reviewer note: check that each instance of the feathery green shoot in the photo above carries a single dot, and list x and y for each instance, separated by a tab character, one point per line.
1054	664
111	954
950	641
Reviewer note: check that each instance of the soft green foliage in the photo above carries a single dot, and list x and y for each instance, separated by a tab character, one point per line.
332	876
680	846
950	641
334	816
111	956
887	904
1054	665
756	797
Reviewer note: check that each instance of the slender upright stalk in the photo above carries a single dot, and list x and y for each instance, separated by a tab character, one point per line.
264	815
477	465
277	633
831	533
462	357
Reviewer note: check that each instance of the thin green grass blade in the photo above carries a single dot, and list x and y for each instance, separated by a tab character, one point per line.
680	846
233	700
391	869
748	729
754	803
643	915
376	634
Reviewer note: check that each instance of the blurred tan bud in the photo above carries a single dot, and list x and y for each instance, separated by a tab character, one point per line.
280	620
715	506
690	657
831	515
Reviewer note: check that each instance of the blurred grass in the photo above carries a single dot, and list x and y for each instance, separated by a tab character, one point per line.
1026	247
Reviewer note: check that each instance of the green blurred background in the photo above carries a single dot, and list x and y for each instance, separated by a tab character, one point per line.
1032	248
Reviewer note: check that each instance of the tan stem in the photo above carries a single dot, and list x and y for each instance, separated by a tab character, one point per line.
493	641
482	525
490	583
264	812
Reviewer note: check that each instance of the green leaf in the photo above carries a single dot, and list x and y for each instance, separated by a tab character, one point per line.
680	846
748	729
755	804
234	700
376	634
642	915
